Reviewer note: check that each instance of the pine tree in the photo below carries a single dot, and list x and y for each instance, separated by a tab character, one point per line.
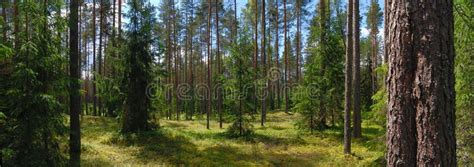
209	65
374	20
264	61
348	81
357	131
420	115
219	68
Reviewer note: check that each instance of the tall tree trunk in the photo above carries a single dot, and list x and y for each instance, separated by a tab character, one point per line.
219	67
191	60
186	49
263	54
101	34
169	98
255	54
209	66
287	76
420	123
373	25
75	96
94	71
86	63
323	23
277	54
176	58
357	132
298	39
348	81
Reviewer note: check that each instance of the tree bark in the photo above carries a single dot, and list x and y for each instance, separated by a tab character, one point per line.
191	60
209	66
298	39
94	85
285	52
420	46
255	55
176	58
219	67
75	97
357	132
263	54
277	54
348	82
101	34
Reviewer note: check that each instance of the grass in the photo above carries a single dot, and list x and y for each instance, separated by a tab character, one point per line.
189	143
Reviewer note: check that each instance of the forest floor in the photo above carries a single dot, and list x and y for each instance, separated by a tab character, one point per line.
189	143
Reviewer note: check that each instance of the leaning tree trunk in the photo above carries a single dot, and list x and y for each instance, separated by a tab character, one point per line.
420	47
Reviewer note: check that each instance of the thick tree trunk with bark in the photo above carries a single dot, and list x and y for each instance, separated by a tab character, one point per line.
420	119
74	94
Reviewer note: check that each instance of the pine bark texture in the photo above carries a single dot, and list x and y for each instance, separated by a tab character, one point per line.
420	47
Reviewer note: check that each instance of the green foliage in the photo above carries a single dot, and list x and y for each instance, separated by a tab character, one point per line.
110	86
142	49
380	99
239	83
464	71
320	97
31	101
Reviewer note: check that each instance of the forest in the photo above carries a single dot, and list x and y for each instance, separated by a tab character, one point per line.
236	83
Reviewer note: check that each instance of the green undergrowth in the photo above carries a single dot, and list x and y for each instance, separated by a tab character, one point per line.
189	143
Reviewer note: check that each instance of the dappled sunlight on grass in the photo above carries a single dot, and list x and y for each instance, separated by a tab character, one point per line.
177	143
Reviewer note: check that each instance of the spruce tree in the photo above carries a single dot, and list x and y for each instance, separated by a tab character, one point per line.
139	63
